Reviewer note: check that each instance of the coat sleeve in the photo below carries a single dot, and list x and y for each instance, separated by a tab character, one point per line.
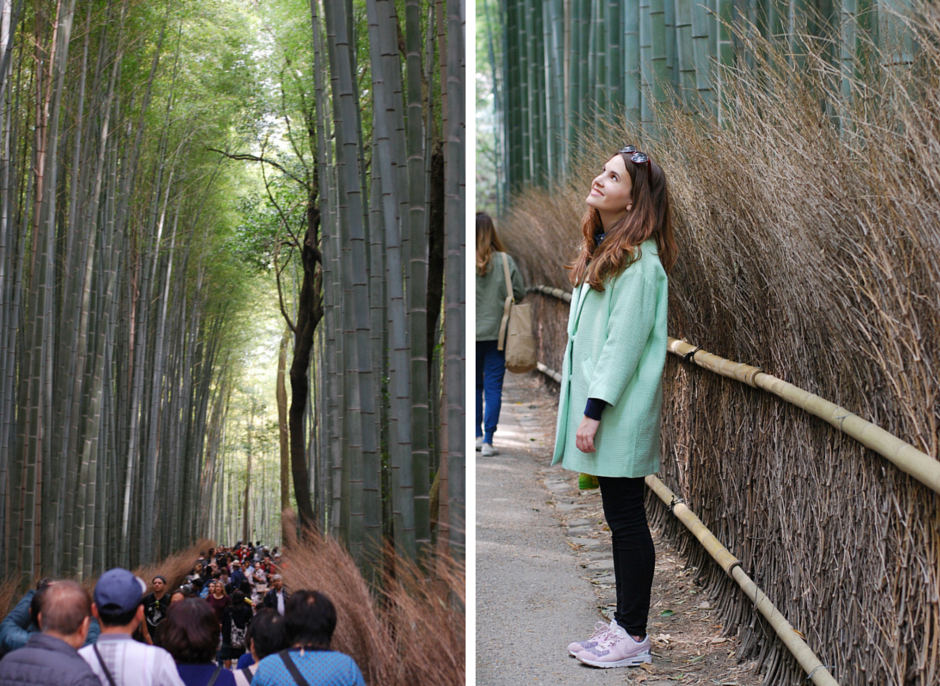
631	319
13	629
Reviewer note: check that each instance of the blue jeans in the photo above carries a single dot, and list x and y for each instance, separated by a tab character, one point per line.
491	368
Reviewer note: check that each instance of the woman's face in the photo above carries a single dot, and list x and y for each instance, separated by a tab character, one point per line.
612	189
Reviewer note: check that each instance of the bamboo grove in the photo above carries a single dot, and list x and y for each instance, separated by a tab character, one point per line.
360	147
563	67
118	303
393	280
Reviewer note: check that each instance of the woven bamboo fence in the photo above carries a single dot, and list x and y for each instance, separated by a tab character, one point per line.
811	253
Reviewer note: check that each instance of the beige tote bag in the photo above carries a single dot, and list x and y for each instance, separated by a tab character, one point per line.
515	332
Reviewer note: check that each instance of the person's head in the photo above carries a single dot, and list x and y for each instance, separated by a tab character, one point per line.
118	598
65	611
159	584
211	552
487	242
245	587
177	596
236	565
267	634
198	568
628	203
277	583
190	632
311	619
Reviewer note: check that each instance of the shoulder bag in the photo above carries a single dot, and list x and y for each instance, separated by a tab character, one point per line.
515	331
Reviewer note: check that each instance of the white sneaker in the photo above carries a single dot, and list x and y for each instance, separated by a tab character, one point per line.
617	649
488	450
479	442
600	632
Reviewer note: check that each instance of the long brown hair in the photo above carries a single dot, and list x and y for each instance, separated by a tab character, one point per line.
487	242
651	217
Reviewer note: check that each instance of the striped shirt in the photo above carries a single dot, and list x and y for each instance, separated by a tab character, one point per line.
131	663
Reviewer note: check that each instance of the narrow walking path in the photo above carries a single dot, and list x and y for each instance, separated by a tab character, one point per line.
545	574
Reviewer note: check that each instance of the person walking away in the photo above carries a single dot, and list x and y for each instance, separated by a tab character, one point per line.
156	605
50	656
234	628
491	300
117	659
237	576
311	620
191	635
610	404
276	597
267	634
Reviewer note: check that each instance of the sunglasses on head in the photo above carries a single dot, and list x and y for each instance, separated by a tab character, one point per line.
638	157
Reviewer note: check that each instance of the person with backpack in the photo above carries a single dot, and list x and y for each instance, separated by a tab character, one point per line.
235	623
310	619
117	659
267	635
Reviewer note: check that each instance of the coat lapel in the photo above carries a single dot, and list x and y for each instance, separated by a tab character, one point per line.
582	296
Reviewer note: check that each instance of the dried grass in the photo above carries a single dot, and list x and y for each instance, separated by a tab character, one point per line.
412	634
810	246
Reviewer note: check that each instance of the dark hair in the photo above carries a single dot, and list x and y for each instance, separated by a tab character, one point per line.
117	618
651	217
269	632
190	632
245	587
310	618
41	585
64	606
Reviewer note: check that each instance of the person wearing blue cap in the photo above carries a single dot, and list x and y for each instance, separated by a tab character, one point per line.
117	659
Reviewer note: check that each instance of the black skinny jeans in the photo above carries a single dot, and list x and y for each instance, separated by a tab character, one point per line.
634	555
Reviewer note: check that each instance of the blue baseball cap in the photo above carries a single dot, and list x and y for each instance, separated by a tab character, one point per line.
118	590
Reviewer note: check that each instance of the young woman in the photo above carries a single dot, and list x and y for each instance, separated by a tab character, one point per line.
491	298
611	392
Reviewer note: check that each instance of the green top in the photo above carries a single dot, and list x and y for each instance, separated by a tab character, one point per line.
491	295
616	352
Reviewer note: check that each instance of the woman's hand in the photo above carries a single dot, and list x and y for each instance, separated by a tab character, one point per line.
585	436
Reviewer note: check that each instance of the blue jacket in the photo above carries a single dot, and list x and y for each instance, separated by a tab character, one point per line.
18	626
46	661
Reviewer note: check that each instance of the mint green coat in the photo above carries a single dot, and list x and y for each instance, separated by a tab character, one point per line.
616	352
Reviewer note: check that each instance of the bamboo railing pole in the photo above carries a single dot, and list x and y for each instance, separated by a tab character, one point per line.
903	455
732	566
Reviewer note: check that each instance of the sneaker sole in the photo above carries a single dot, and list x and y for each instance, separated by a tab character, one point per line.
634	661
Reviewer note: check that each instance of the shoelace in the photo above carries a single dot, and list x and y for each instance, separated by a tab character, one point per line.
600	629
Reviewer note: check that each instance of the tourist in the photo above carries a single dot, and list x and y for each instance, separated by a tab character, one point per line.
275	598
492	264
191	635
267	635
156	605
50	657
117	659
234	627
611	390
20	623
218	600
310	619
237	576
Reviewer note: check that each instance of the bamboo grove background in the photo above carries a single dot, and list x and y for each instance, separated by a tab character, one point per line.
214	303
804	193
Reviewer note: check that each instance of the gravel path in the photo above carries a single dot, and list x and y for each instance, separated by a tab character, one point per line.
544	571
531	599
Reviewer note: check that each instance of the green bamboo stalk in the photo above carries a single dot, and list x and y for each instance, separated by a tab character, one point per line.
632	86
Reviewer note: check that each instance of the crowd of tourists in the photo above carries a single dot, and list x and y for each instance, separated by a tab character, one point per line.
231	622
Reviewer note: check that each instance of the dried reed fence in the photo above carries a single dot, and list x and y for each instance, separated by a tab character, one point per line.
413	634
174	568
810	247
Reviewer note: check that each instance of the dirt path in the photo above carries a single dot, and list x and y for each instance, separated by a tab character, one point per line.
545	573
